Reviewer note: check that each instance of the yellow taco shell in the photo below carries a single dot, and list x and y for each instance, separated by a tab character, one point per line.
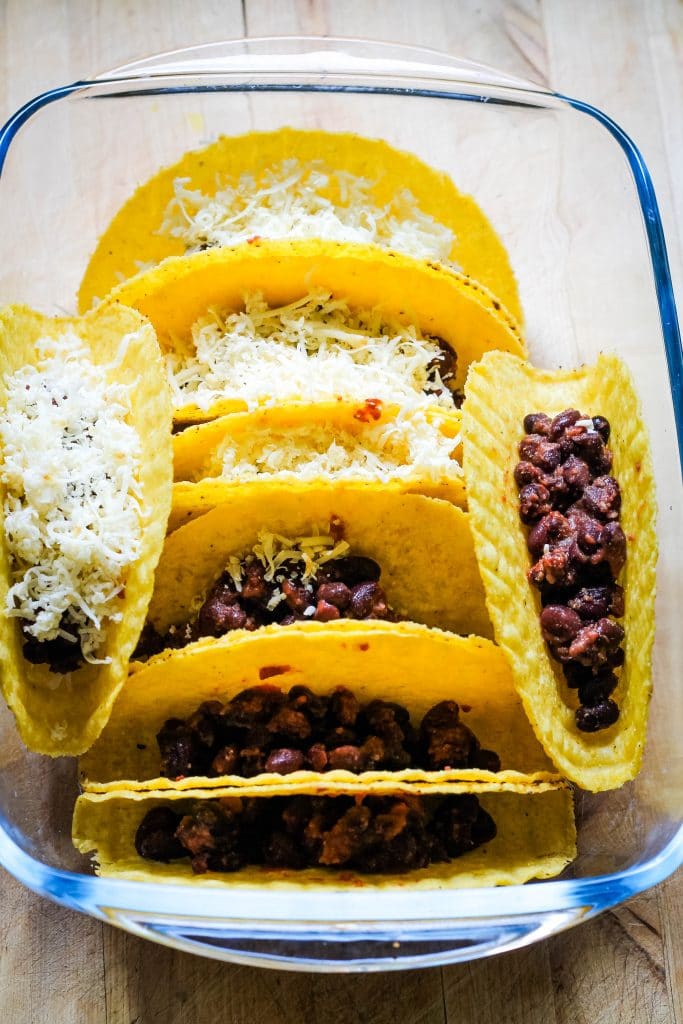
439	301
301	434
134	237
491	431
63	714
423	546
411	664
536	838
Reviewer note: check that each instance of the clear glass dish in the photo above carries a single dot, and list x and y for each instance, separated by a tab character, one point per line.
572	199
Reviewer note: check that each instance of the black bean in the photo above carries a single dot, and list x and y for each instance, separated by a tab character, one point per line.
284	760
593	719
562	422
534	502
559	624
537	423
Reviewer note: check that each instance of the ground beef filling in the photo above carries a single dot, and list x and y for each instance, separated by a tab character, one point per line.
263	729
370	834
572	505
343	588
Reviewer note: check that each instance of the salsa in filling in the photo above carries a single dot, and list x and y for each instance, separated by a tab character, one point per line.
314	349
371	834
572	506
282	581
70	468
263	729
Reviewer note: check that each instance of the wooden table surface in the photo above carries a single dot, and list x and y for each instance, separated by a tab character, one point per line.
624	56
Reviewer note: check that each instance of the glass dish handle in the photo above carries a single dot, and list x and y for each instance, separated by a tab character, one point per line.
334	61
356	946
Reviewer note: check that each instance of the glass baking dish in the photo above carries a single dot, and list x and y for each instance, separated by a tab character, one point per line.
572	199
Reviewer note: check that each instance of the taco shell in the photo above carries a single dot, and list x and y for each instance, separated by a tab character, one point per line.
422	545
491	431
134	236
63	714
411	664
536	838
439	301
300	435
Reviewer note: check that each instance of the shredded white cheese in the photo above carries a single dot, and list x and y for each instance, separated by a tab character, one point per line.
273	550
384	451
70	466
292	200
311	350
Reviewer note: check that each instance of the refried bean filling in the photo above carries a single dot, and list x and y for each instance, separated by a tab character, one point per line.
370	834
263	729
262	589
572	505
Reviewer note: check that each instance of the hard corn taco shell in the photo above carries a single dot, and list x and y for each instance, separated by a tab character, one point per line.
198	451
133	237
63	714
422	545
438	301
536	838
413	665
492	429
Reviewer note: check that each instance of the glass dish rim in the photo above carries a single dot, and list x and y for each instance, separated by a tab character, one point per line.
467	81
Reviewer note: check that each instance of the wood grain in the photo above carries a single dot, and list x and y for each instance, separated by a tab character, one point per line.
624	56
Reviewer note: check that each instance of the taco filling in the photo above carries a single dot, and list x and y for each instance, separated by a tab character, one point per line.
315	348
72	508
371	834
282	580
262	729
572	507
295	200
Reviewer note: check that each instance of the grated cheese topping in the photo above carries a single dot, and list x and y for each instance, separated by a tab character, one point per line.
273	550
70	466
394	450
313	349
303	201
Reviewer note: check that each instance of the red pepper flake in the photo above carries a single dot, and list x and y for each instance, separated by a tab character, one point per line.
363	647
465	707
370	410
273	670
638	467
253	239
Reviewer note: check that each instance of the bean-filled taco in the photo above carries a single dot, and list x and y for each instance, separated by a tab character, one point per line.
314	321
269	555
562	505
85	480
446	842
299	185
398	705
417	451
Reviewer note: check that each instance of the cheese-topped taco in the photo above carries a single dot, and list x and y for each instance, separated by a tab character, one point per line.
299	185
311	321
562	505
315	708
447	842
85	487
417	450
270	555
